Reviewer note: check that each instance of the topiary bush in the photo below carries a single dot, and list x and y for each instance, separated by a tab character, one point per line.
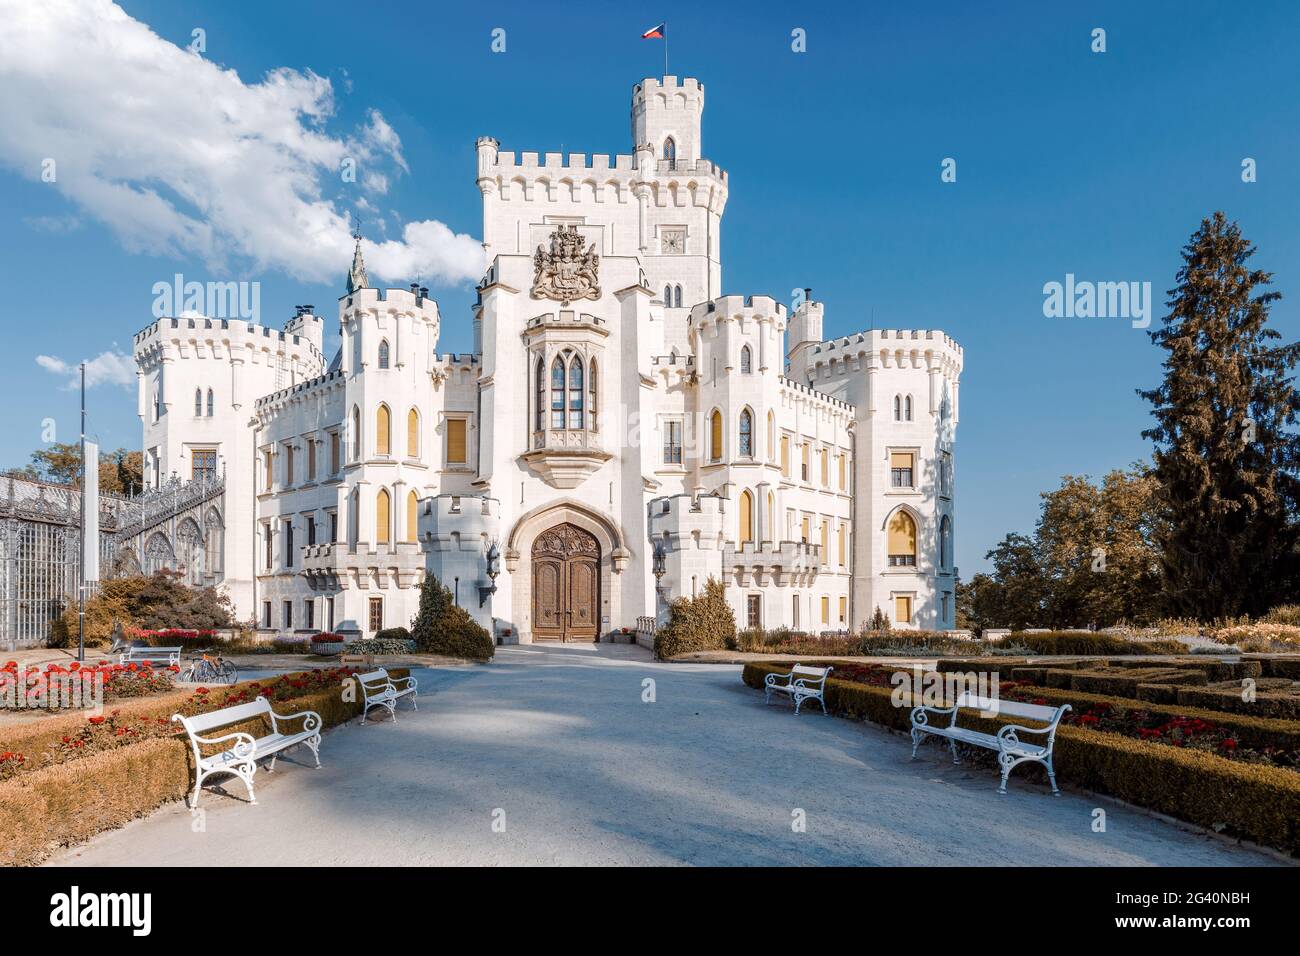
443	627
393	634
702	623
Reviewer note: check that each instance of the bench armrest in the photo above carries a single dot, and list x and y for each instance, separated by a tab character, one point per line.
811	683
311	723
245	745
778	680
920	716
408	681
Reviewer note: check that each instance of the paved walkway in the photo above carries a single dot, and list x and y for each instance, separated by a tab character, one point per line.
557	744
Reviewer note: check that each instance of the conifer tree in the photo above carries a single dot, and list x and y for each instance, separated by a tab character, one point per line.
1227	455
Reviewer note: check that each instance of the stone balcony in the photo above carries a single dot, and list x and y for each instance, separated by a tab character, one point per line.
565	457
786	563
335	566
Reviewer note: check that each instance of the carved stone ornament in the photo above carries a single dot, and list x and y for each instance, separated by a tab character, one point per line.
565	541
566	272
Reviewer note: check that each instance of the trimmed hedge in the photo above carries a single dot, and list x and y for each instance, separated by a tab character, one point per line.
1123	682
1281	667
1255	802
1086	643
1280	706
64	804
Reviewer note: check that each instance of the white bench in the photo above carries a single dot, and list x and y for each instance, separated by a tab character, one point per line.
166	656
802	683
1011	750
241	757
381	690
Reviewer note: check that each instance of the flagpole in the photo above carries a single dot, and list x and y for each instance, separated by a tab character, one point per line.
665	48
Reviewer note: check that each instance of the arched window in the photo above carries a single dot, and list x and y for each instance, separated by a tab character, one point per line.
746	434
945	542
198	402
412	517
898	408
715	436
670	150
907	408
668	296
746	517
746	361
383	431
539	413
576	398
354	518
211	403
212	543
771	518
591	402
413	434
557	393
771	436
357	451
383	517
157	403
383	353
902	540
677	297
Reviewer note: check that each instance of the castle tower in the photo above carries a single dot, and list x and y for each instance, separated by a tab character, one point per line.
666	115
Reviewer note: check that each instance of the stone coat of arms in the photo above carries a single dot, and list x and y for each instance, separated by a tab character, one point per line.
566	272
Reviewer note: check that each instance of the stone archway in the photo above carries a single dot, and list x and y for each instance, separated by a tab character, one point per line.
609	559
566	585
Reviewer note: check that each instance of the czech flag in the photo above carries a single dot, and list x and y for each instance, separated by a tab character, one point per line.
656	33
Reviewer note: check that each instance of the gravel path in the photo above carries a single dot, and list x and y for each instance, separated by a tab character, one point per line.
557	744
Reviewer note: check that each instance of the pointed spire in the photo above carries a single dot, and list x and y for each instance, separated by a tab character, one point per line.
357	278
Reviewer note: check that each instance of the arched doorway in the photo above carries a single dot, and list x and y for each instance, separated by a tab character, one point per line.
566	585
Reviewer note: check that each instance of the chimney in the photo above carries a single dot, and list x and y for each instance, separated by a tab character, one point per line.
807	295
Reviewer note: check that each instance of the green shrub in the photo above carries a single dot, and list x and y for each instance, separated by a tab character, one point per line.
1123	681
1087	643
1281	667
393	634
1280	705
443	627
376	645
702	623
1251	801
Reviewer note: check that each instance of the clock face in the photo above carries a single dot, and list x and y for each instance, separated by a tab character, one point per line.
674	243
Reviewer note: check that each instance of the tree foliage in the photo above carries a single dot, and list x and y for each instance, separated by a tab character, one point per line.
1227	456
443	627
120	472
152	603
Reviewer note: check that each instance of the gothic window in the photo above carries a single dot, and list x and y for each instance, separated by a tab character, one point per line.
412	517
157	405
211	403
383	516
576	398
746	517
198	402
746	434
898	408
670	152
668	296
539	413
677	297
191	542
746	361
158	554
907	408
383	353
945	542
902	540
591	400
771	517
557	393
383	431
212	542
771	435
715	436
413	434
356	434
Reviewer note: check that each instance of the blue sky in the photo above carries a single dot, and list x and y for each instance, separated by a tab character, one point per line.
1068	161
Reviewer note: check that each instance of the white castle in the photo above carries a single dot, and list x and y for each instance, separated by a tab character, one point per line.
621	432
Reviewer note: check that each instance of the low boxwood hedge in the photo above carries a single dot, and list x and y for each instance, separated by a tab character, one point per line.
1255	802
1085	643
67	803
1283	706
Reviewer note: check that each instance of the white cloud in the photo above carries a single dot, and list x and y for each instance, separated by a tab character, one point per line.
107	368
182	157
53	224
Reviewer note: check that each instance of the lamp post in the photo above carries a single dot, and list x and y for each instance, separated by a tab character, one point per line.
493	558
659	567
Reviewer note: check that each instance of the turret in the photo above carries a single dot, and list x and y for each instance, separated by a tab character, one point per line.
805	326
306	324
666	115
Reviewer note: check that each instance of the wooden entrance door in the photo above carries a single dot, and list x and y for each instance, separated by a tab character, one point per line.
566	585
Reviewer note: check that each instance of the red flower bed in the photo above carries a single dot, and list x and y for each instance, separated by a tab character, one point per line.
327	638
47	689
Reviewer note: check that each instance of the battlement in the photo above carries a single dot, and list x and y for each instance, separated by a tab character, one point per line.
688	520
567	319
300	390
508	162
788	555
393	301
820	397
686	92
886	348
735	307
233	333
458	522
